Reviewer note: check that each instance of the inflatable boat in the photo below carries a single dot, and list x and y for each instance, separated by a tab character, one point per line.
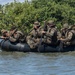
6	45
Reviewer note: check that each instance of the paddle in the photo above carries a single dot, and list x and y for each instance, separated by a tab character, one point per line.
60	46
45	29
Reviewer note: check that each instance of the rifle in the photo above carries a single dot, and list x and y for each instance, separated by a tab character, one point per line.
14	32
60	47
29	32
45	26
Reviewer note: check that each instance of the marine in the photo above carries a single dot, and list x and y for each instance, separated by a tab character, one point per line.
64	30
15	35
33	38
69	36
51	33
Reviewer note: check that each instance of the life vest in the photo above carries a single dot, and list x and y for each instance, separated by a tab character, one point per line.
53	38
35	34
72	41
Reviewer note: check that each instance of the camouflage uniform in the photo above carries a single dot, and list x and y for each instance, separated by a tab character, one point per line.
64	30
34	37
16	37
59	35
51	34
69	37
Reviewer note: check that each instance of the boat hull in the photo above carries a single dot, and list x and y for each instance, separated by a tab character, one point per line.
6	45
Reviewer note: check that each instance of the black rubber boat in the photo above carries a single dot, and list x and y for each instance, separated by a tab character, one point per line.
6	45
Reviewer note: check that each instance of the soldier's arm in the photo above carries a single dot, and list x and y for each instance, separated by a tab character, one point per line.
40	32
12	39
17	36
31	33
13	32
2	37
69	37
59	35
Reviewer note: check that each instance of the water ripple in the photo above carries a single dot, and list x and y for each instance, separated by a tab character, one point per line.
18	63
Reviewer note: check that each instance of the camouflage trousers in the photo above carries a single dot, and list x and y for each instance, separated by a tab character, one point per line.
46	40
32	42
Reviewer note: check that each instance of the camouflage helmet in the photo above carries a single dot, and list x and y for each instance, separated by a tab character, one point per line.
13	28
36	23
3	31
65	25
19	32
51	23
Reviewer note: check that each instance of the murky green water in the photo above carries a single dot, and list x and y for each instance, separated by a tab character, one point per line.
17	63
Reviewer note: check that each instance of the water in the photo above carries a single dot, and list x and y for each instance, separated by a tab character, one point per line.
17	63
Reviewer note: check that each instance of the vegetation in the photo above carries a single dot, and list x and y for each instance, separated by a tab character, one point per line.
24	14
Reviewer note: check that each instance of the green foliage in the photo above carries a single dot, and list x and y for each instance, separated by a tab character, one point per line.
24	14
